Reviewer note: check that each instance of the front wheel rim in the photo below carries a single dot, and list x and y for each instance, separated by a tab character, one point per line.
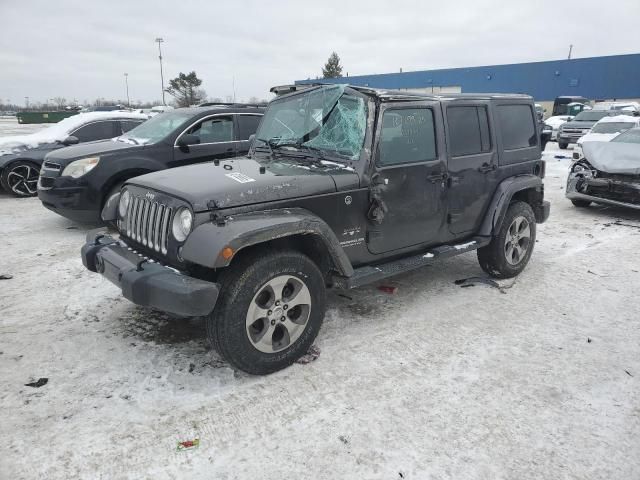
278	314
517	241
23	180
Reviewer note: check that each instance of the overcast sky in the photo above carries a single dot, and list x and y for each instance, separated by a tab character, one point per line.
81	49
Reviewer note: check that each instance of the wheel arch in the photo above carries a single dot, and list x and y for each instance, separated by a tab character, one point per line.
526	188
297	229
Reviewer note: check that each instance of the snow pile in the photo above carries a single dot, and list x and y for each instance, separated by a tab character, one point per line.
59	131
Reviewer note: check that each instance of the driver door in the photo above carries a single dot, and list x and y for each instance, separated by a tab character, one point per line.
410	177
217	141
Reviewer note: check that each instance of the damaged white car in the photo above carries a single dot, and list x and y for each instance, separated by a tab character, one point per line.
609	173
606	130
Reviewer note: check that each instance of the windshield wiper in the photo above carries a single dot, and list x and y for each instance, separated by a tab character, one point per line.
268	145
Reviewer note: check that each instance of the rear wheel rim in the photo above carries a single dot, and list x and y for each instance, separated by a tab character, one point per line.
278	314
23	180
517	241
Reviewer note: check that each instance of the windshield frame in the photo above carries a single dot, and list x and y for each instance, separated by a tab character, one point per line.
290	148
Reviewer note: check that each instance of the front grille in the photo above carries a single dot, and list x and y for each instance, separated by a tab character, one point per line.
147	223
574	131
52	166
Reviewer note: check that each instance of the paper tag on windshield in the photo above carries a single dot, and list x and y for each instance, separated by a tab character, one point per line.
239	177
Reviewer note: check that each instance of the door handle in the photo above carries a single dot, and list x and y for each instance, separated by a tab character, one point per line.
229	149
437	177
485	168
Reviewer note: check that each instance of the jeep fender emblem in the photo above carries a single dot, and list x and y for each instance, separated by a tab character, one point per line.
150	196
348	200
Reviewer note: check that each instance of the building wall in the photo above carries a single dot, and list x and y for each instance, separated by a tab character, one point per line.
612	77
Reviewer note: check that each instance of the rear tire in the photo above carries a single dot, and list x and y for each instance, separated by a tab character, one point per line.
562	146
581	203
269	312
20	179
510	249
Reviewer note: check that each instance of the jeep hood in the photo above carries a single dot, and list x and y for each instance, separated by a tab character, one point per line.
613	157
241	181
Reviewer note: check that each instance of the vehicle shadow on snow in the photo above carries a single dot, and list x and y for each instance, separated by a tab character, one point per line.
611	214
161	328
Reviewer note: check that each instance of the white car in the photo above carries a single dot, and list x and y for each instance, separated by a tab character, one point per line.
555	122
606	130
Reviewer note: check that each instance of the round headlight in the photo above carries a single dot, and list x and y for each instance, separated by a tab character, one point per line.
182	223
123	206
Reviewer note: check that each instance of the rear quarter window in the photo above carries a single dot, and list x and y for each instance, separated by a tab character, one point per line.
517	126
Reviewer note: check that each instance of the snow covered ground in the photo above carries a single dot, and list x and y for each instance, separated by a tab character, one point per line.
538	380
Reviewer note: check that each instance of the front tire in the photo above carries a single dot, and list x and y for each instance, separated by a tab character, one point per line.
269	312
20	179
510	250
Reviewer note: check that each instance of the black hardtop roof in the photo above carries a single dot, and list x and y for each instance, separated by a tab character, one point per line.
403	95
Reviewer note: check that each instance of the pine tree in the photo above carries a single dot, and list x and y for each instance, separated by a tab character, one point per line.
184	88
332	69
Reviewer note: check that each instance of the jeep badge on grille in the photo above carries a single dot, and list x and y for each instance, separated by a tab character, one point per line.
150	195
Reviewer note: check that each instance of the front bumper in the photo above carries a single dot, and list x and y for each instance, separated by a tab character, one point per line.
65	197
145	282
542	211
570	137
604	191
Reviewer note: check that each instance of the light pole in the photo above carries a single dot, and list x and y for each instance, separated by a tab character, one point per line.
160	40
26	101
126	82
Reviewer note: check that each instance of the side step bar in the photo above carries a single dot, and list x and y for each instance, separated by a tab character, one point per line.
373	273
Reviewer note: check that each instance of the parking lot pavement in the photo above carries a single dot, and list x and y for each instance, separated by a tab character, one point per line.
538	379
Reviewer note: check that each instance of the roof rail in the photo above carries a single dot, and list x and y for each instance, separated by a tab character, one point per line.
227	104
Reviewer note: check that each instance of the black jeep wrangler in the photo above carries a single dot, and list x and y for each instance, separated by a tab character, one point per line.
342	186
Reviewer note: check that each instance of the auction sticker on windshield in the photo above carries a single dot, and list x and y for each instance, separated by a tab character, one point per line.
239	177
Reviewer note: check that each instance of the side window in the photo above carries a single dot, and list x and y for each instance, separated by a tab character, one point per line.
127	125
517	125
95	131
247	125
215	129
468	130
407	136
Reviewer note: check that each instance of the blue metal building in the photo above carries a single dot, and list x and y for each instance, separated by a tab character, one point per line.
606	78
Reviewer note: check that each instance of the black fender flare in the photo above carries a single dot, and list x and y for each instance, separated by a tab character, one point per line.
205	244
502	198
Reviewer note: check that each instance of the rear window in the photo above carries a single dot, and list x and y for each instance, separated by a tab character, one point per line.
517	125
468	130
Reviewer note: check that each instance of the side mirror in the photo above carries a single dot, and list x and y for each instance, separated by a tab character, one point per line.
188	139
71	140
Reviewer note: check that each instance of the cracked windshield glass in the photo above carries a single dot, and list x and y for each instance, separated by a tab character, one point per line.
324	119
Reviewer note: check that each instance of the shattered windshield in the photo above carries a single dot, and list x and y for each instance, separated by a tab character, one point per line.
325	119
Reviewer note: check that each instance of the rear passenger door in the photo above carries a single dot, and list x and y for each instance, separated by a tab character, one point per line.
472	164
217	141
247	124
